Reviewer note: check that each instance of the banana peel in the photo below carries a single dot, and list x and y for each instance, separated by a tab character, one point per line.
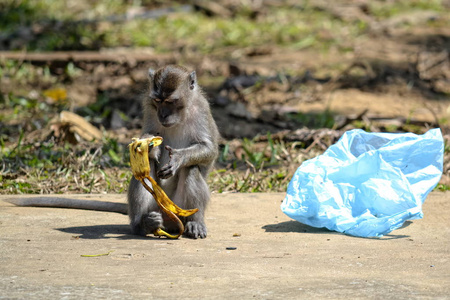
140	166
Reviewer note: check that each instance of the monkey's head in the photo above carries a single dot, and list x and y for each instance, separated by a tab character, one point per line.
171	89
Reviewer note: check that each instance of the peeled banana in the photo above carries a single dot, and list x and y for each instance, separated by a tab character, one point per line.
140	166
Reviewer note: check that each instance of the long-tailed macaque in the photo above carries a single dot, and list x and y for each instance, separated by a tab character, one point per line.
176	110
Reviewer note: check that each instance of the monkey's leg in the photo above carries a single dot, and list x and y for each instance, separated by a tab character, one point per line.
144	213
194	193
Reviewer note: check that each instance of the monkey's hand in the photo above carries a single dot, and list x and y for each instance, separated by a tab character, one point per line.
154	151
175	162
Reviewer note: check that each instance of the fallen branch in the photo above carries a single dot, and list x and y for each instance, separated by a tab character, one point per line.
86	56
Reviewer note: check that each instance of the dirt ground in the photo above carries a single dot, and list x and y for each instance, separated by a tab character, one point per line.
253	251
399	71
389	76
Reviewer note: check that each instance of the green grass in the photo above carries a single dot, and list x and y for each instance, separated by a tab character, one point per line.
47	167
443	187
323	119
384	10
283	26
255	166
264	180
298	26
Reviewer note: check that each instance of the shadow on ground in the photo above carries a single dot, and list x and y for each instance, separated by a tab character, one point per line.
294	226
112	231
101	232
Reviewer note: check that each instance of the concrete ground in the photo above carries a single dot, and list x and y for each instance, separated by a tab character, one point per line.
253	251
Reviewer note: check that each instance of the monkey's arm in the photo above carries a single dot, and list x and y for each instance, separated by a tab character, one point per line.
57	202
197	154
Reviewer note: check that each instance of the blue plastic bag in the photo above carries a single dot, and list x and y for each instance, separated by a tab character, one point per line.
367	184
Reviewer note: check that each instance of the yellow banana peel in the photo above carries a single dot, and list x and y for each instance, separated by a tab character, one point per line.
140	166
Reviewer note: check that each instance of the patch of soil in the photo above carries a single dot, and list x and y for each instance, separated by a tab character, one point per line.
393	72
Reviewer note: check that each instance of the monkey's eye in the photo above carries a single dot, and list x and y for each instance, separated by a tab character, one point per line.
171	100
157	100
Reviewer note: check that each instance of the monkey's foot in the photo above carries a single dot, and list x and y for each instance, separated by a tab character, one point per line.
195	230
151	222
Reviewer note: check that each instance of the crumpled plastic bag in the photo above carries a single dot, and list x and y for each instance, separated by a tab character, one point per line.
367	184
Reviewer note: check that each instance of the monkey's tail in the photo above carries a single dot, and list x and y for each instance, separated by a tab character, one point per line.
59	202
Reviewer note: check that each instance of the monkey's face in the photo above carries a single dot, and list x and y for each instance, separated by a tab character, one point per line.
171	89
170	111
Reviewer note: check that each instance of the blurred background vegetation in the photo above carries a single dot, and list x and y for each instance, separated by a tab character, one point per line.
284	79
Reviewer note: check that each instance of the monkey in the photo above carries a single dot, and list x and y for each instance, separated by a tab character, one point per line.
176	109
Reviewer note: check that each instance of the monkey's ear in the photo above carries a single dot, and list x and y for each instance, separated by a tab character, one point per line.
192	80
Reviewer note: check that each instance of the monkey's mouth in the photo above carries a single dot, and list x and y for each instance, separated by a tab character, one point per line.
168	124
